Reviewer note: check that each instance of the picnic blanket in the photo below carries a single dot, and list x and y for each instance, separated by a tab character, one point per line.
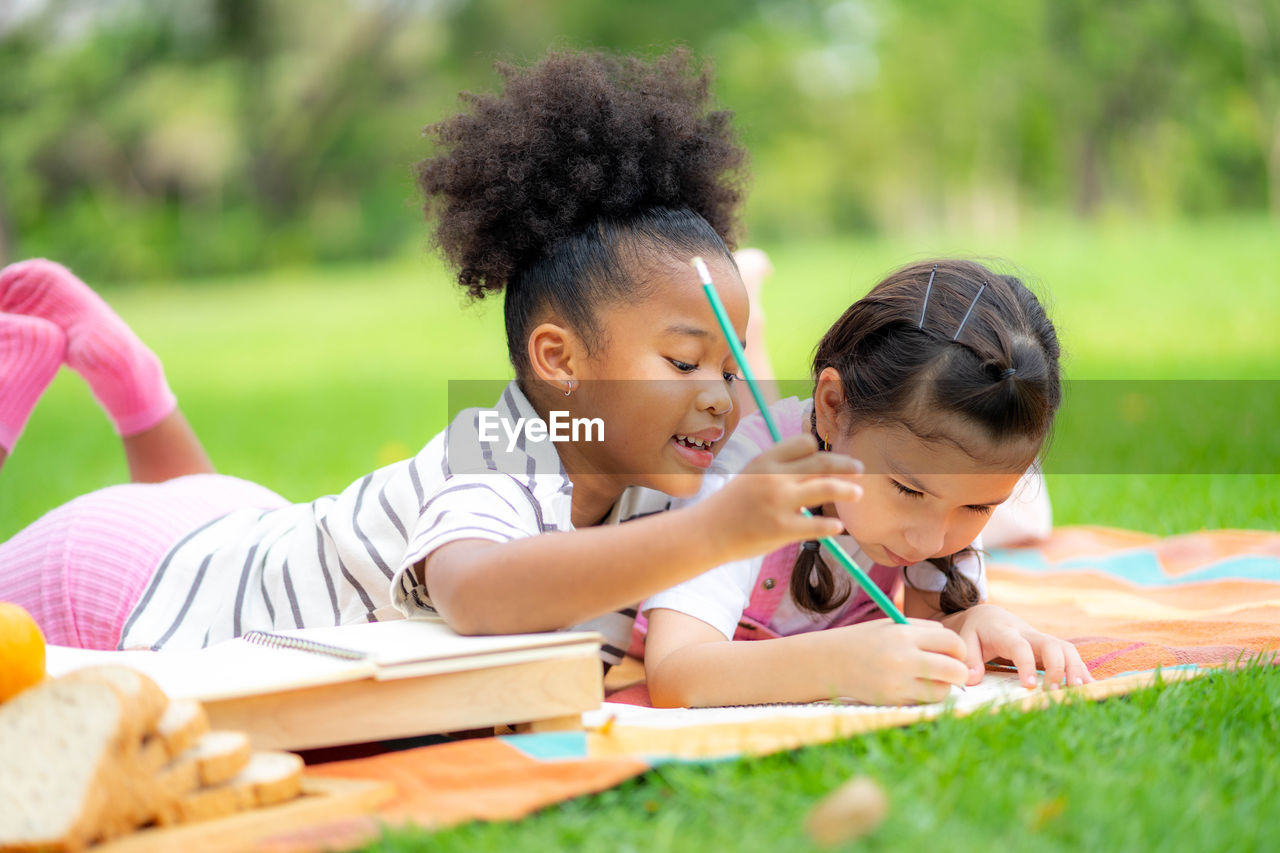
1137	606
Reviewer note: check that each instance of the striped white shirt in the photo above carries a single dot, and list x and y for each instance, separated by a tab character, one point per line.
343	558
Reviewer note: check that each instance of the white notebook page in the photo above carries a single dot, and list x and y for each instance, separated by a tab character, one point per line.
397	649
996	688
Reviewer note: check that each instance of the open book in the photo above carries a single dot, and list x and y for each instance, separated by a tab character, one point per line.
698	734
396	679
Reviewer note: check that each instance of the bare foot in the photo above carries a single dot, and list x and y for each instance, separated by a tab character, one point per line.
754	266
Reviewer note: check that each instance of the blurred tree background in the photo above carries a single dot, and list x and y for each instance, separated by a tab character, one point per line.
154	139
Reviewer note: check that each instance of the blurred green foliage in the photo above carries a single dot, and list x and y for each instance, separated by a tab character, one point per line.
147	139
306	380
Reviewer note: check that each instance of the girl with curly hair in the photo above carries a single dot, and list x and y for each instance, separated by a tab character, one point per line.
580	193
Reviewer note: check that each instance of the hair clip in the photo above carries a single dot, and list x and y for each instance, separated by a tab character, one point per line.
965	319
928	288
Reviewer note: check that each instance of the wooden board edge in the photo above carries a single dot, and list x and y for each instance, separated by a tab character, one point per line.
323	799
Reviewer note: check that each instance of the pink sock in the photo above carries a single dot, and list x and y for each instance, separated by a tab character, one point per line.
124	375
31	351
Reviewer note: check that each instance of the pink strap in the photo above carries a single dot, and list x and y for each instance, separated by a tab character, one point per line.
772	586
774	581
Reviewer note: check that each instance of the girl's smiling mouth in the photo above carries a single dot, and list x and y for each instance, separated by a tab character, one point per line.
696	447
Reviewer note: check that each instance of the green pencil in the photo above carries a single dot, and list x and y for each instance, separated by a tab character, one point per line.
877	594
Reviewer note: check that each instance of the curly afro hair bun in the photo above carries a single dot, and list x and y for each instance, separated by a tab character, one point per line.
577	139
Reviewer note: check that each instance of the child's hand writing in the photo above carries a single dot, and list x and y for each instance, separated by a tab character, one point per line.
761	508
991	632
689	663
884	663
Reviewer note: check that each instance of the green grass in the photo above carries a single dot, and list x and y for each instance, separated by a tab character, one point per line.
1178	767
305	381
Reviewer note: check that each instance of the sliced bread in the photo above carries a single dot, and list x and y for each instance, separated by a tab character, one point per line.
182	724
268	778
274	777
100	752
62	744
220	755
147	702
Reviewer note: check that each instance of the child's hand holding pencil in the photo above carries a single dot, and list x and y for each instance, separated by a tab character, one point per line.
767	500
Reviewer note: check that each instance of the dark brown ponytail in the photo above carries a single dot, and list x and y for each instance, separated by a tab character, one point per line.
813	585
960	593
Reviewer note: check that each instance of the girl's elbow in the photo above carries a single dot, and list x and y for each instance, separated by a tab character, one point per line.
465	615
666	691
457	606
469	602
686	676
469	609
456	618
462	623
665	698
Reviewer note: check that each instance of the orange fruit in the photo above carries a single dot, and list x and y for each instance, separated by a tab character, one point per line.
21	651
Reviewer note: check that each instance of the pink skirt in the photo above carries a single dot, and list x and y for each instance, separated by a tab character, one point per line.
80	569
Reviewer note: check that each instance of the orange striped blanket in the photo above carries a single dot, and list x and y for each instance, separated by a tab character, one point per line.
1131	602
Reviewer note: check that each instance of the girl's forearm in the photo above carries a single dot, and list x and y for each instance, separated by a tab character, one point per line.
786	669
547	582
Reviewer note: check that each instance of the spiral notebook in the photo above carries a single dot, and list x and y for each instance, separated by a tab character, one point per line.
392	679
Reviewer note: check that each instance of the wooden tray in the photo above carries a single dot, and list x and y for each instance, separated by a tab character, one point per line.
322	800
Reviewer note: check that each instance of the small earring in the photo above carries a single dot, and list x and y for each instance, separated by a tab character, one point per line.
568	387
826	445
